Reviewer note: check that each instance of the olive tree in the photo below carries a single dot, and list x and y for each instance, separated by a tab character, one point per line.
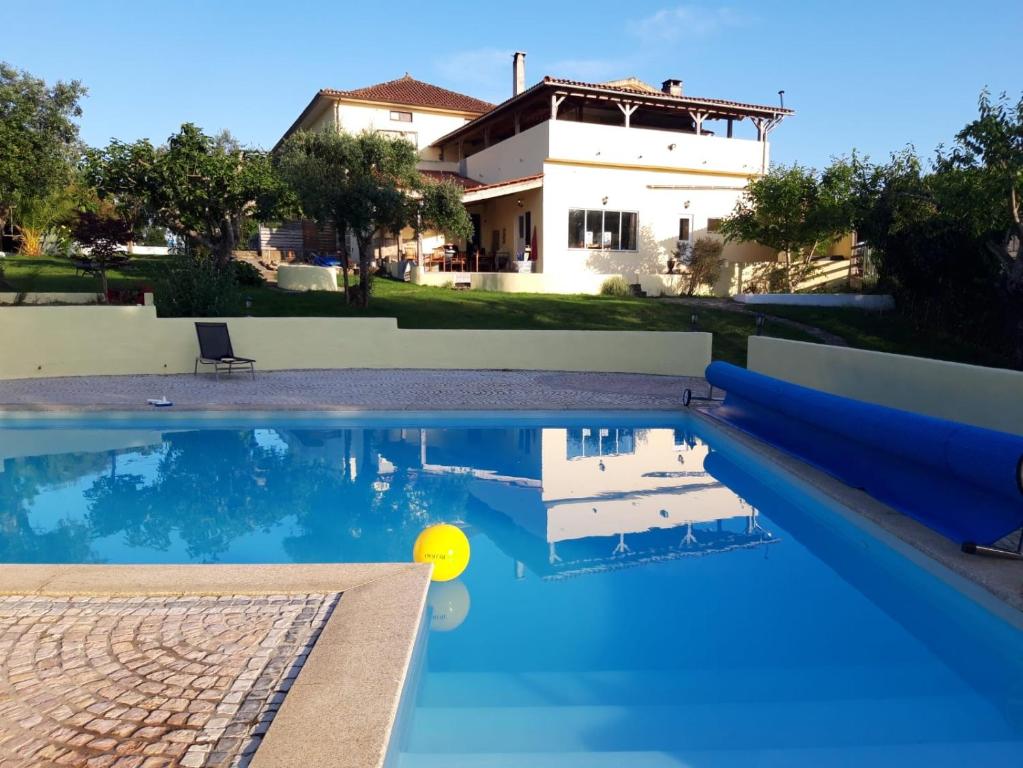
363	184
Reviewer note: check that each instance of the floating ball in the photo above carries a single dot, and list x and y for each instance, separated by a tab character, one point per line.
446	547
449	605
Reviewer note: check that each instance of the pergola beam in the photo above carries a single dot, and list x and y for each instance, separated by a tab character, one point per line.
627	110
556	101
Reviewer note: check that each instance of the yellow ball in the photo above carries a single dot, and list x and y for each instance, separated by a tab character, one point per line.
446	547
449	605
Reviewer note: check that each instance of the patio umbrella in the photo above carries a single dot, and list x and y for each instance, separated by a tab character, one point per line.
532	247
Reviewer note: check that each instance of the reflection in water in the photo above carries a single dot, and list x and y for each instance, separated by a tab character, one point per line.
449	605
557	501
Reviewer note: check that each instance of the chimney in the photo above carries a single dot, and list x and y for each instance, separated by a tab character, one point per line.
672	87
518	72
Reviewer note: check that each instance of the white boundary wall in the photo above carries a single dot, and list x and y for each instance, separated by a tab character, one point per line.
984	397
878	302
305	277
77	341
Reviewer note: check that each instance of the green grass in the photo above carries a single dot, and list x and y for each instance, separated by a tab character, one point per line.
52	274
890	332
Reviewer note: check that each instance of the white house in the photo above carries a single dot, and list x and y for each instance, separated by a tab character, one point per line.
569	182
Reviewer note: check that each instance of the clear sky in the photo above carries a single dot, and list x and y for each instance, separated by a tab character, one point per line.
872	75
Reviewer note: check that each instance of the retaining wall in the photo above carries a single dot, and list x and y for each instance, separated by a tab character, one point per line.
76	341
972	394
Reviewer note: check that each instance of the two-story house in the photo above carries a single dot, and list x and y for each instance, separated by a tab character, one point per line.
404	108
578	180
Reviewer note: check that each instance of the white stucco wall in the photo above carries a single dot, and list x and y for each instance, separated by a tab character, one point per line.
659	210
571	140
515	157
427	125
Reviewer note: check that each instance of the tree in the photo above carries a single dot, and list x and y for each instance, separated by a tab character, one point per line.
125	176
104	233
981	182
362	184
702	262
441	210
795	211
38	136
202	188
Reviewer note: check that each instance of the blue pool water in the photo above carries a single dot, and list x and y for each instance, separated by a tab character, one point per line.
642	591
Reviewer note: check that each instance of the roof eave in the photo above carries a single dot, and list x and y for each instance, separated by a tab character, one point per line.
298	121
667	100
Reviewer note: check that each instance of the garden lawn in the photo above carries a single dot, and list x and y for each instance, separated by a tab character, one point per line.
889	332
53	274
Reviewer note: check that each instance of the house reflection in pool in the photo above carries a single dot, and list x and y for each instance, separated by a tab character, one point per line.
565	502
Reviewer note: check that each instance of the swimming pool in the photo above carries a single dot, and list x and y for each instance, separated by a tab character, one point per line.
642	590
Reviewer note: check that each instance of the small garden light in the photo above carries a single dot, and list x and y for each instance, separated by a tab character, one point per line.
694	321
761	322
248	303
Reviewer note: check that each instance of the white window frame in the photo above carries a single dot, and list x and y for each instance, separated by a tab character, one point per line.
602	212
396	116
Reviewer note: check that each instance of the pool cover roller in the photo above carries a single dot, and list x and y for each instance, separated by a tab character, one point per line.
963	481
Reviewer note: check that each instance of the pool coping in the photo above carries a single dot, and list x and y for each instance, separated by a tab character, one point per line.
343	707
994	583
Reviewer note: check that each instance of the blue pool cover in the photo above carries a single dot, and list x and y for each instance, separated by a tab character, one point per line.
962	481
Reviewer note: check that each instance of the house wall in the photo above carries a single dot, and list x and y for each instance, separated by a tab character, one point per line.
77	341
609	144
427	125
972	394
515	157
569	186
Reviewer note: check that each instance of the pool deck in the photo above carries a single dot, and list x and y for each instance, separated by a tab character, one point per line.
355	390
147	666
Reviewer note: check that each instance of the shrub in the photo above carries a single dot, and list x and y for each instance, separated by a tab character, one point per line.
702	262
247	275
198	287
616	286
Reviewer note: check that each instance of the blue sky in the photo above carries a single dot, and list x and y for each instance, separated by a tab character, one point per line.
868	75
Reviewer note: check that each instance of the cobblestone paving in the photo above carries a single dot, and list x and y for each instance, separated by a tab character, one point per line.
358	389
143	682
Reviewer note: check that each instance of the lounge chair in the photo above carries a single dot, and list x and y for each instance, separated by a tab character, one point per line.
215	349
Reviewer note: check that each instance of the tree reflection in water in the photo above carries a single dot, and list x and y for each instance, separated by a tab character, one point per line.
213	486
21	482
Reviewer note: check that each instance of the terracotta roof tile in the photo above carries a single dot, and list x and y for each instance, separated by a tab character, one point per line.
464	181
414	93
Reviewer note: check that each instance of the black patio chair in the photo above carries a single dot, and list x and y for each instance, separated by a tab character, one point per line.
215	349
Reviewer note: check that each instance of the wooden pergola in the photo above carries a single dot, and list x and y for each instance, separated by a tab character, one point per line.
557	99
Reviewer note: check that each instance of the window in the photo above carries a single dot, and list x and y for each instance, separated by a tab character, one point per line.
402	117
714	225
685	228
411	136
611	230
599	441
576	228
